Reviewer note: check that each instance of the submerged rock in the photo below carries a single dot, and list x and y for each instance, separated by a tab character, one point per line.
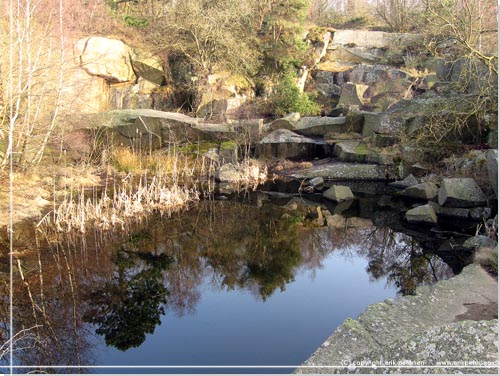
422	214
461	193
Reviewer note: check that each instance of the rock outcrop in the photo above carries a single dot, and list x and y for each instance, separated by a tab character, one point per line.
428	327
112	75
105	58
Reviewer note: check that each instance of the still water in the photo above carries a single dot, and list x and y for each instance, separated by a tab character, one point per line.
251	281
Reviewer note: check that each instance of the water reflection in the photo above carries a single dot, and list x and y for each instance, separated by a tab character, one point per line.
122	286
130	304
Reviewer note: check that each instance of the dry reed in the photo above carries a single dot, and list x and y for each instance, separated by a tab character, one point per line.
126	204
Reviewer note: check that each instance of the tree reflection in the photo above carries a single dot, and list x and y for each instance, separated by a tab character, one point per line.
124	283
390	254
272	256
129	306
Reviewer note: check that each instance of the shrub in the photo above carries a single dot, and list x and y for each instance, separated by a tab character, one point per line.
137	22
288	98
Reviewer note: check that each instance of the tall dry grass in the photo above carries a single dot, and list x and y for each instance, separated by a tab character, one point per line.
127	203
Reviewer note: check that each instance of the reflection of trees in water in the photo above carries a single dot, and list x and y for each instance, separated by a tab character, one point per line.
124	283
403	260
46	306
395	255
241	246
129	305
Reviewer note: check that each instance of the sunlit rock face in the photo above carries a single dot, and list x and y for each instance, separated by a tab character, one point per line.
106	58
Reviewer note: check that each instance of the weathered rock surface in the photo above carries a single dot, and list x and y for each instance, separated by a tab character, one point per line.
359	152
423	326
338	193
422	191
422	214
85	94
104	57
353	95
330	169
147	66
451	343
461	193
249	172
320	126
288	121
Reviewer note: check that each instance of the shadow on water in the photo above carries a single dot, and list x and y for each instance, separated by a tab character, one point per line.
71	291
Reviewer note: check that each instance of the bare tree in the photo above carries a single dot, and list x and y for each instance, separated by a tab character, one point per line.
34	80
400	15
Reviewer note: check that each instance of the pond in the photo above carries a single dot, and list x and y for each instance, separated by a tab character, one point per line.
256	280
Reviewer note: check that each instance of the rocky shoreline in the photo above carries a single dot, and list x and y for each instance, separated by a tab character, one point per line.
445	328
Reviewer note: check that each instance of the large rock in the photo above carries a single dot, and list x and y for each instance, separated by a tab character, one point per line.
422	191
320	126
420	328
352	95
250	172
378	75
283	143
461	193
355	151
148	128
147	66
286	122
85	94
329	169
106	58
338	193
461	213
422	214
